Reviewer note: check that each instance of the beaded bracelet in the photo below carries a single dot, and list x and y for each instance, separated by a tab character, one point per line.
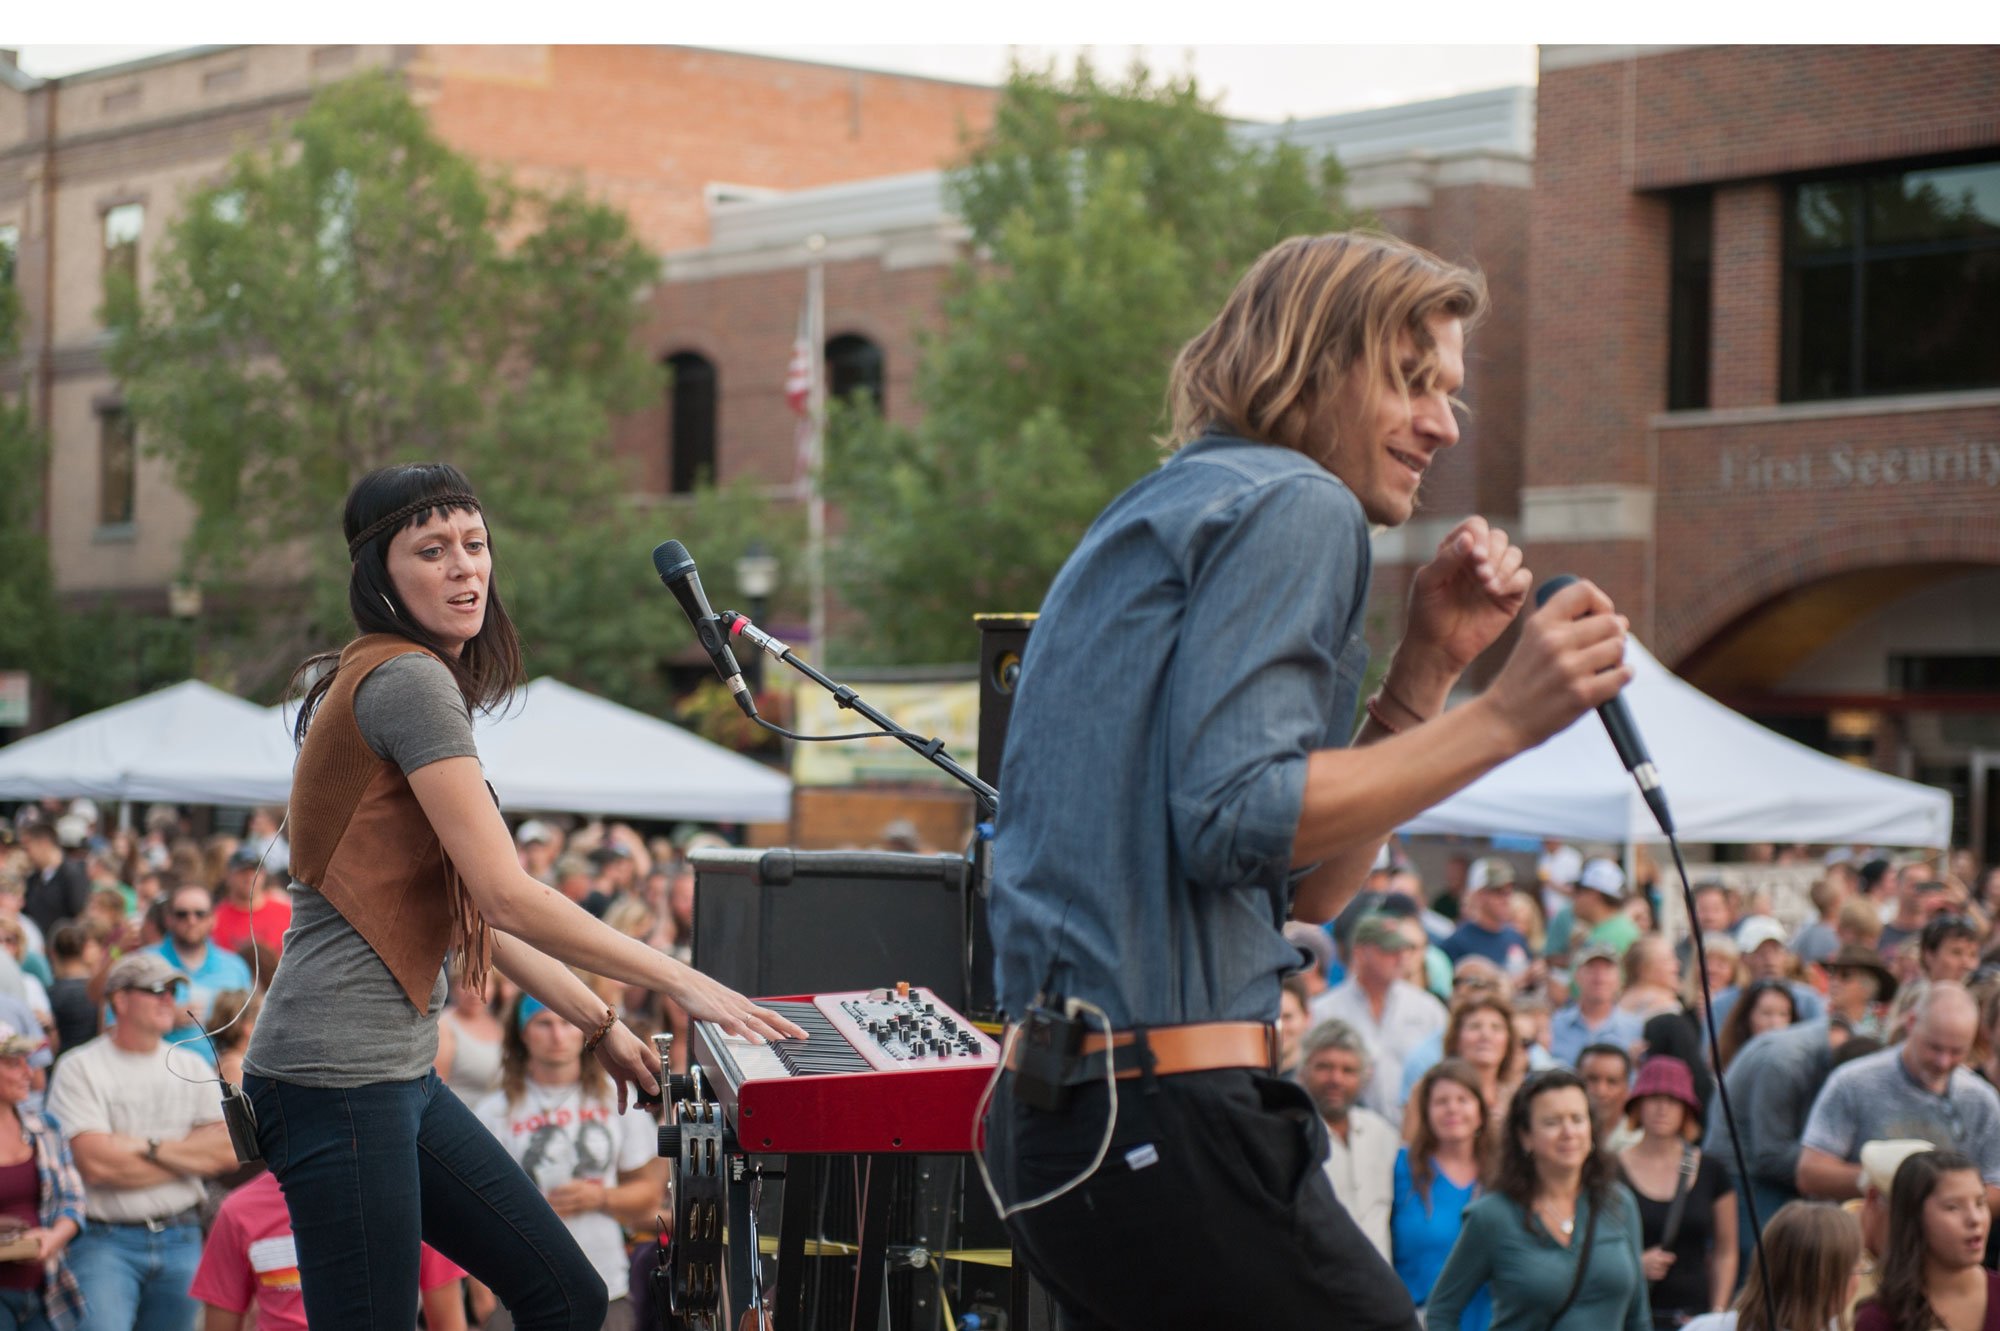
610	1020
1374	708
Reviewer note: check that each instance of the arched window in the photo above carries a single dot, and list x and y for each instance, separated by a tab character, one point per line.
690	421
854	365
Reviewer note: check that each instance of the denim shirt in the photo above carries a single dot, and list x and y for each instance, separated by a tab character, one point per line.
1203	640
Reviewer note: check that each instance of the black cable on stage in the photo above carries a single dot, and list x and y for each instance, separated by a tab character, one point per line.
1656	801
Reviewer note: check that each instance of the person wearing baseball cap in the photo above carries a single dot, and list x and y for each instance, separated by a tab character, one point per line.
1767	956
145	1123
1392	1015
1488	928
1879	1162
1594	1016
246	907
1596	912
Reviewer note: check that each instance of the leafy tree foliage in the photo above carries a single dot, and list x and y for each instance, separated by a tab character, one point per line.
356	293
1109	218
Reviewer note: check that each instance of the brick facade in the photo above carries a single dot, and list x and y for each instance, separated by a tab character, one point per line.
1763	548
655	130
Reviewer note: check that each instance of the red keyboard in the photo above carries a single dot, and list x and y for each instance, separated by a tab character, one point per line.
885	1071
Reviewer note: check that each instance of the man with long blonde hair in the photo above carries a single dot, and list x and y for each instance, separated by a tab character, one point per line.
1182	774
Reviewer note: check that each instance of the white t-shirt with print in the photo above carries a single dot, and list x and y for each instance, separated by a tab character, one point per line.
558	1135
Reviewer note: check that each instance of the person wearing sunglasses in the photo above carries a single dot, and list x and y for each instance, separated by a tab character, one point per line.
145	1125
209	969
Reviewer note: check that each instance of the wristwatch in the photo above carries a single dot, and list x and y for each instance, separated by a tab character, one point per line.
153	1149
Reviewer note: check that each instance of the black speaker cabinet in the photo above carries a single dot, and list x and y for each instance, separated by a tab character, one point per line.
769	922
1002	639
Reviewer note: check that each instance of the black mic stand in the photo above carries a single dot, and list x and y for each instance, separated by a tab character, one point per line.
870	1261
931	749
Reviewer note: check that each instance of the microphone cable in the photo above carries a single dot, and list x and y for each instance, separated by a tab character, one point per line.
1655	797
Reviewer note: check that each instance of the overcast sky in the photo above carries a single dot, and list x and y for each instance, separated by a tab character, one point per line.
1254	82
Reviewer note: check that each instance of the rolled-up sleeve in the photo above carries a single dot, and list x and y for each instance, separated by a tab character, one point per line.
1254	690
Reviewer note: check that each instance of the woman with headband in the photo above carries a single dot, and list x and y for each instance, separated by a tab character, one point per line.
403	861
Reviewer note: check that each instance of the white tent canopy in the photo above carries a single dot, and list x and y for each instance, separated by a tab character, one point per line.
1727	779
189	743
553	748
560	749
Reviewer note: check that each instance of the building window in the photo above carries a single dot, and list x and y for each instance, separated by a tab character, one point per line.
10	246
117	467
1688	314
854	366
1891	281
690	421
122	226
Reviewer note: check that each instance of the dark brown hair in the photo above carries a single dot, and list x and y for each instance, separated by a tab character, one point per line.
1513	1171
1424	1142
488	669
1902	1293
1736	1030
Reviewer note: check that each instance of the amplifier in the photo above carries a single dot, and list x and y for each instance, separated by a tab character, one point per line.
819	921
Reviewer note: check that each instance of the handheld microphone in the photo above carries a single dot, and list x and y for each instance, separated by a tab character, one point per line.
676	568
1617	718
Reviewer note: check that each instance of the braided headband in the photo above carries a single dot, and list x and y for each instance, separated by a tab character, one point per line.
451	499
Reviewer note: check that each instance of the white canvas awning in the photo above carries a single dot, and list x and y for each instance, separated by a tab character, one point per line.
189	743
1727	779
554	748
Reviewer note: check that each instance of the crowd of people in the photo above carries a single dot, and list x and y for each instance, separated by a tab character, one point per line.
131	977
1520	1096
1523	1103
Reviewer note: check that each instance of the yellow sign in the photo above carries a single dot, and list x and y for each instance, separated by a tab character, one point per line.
947	710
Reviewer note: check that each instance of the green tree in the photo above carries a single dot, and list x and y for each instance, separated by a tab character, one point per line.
356	293
1108	221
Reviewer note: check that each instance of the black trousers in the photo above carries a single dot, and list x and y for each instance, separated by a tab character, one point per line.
1211	1209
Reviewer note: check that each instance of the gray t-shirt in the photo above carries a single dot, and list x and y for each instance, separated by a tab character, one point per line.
1875	1098
335	1015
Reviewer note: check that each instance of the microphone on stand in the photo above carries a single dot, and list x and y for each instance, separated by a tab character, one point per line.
1617	718
676	569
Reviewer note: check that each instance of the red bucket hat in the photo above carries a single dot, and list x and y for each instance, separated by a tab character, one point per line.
1663	1074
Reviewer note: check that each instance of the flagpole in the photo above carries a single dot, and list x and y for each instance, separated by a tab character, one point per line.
816	422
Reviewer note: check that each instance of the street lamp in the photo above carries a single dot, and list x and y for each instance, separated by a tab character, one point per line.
756	578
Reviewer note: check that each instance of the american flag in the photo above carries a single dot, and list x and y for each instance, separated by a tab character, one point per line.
799	390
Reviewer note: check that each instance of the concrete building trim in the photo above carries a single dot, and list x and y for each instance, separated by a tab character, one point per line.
1397	157
1784	413
1493	119
1412	180
1587	513
1558	56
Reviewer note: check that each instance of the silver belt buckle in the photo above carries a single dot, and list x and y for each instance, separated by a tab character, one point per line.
154	1226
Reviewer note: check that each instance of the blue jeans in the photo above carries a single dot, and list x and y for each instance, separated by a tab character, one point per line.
370	1172
134	1279
21	1310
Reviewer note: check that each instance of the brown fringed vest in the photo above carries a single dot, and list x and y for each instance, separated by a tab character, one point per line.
360	838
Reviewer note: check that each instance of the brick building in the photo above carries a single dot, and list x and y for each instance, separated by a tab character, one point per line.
92	167
1763	391
1734	372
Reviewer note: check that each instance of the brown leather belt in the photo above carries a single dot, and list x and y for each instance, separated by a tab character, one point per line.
1198	1047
